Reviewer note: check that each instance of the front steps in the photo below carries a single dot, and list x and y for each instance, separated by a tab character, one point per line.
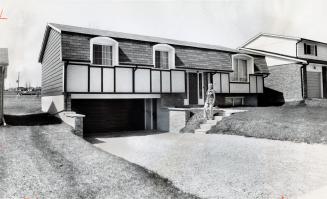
204	128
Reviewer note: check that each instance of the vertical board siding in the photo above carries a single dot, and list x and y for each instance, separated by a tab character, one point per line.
52	66
314	84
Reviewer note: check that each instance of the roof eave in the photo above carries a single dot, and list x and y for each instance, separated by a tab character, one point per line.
275	55
45	40
268	35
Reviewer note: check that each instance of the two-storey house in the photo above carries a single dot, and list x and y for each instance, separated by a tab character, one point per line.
123	81
297	66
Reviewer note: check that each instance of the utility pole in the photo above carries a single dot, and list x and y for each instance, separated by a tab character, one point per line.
17	82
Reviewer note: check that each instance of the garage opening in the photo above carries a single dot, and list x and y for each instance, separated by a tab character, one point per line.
314	84
110	115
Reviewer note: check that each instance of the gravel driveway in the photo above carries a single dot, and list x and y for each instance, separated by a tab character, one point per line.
227	166
50	162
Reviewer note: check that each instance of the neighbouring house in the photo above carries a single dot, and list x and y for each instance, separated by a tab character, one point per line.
4	61
297	66
123	81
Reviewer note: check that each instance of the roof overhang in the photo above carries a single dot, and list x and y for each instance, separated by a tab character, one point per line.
276	55
269	35
45	40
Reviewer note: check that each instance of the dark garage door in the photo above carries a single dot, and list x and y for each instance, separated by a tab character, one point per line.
105	116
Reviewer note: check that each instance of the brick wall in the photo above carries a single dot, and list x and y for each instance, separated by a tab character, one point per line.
286	79
172	100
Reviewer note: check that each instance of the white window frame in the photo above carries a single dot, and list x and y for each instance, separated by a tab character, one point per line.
106	41
250	64
171	54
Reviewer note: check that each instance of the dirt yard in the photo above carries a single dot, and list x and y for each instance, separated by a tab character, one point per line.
291	123
48	161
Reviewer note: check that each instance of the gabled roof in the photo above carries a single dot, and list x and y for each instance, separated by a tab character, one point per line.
280	36
98	32
270	35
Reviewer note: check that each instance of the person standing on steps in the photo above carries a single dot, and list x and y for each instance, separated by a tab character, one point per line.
209	103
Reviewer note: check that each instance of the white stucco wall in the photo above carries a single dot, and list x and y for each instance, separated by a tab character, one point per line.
53	104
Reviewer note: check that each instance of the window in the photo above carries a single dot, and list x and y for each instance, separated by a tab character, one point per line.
240	73
161	59
234	101
310	49
102	55
163	56
243	65
104	51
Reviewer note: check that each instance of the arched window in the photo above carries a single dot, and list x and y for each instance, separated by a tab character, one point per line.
242	65
164	56
104	51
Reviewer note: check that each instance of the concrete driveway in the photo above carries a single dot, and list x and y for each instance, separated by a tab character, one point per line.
227	166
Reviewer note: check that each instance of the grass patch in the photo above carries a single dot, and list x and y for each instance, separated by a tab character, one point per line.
290	123
24	104
193	122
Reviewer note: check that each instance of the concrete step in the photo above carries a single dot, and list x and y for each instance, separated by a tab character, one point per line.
200	131
206	126
214	122
218	118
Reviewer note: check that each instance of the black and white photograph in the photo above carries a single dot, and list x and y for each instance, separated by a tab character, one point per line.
190	99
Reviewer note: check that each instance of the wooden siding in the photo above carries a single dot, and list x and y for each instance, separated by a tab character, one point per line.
2	78
52	66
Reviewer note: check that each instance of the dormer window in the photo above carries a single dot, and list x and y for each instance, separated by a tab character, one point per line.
310	49
162	59
102	54
242	66
104	51
163	56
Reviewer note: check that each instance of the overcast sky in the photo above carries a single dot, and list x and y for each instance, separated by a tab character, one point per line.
228	23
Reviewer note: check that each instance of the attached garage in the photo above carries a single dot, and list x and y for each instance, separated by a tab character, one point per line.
110	115
314	84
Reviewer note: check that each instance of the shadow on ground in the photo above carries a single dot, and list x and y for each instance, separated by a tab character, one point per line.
31	119
95	138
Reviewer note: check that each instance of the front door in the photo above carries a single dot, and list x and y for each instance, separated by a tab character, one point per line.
193	88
